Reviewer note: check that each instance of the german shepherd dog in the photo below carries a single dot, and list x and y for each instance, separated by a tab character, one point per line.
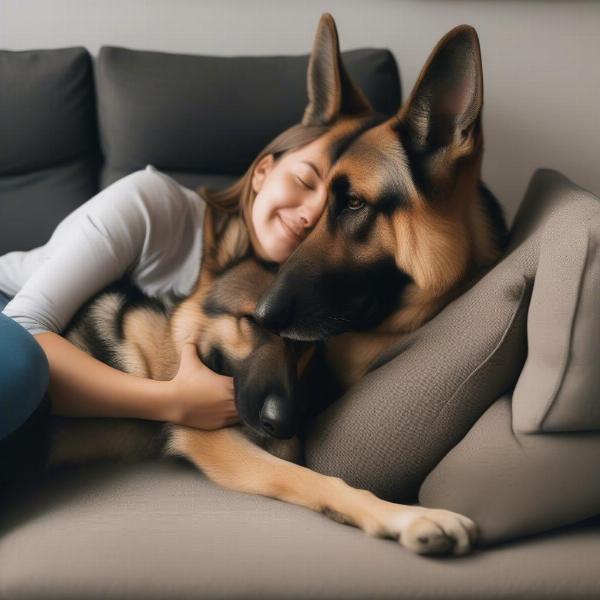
407	225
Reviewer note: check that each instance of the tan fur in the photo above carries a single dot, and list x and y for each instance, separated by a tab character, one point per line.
232	334
147	350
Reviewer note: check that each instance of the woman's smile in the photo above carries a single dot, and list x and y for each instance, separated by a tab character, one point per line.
289	232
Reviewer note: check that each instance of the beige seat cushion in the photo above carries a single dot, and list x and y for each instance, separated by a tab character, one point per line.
512	484
160	530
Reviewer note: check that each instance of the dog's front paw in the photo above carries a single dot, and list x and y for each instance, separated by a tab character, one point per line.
433	531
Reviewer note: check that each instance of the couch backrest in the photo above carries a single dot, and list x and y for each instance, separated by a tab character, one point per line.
70	128
49	153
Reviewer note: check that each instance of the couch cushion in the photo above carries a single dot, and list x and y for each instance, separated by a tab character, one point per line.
212	114
158	530
49	152
559	388
513	485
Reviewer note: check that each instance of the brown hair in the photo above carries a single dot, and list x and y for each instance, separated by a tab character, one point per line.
239	196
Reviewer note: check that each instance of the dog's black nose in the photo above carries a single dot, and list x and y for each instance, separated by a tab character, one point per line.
273	312
276	418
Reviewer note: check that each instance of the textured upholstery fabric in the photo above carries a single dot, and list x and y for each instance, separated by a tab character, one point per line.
158	530
49	153
390	429
512	484
559	388
212	114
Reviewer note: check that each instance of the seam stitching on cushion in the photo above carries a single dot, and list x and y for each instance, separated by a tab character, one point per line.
552	401
493	352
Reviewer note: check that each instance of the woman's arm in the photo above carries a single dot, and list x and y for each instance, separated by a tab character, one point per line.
94	246
81	386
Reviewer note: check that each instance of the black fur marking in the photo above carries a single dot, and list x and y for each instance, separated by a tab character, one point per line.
416	160
212	308
350	298
98	347
267	265
133	298
384	282
339	188
261	336
216	362
390	200
318	386
494	210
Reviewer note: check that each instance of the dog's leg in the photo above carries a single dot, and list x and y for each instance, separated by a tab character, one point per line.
228	458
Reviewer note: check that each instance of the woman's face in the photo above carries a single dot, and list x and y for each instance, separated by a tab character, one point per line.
290	197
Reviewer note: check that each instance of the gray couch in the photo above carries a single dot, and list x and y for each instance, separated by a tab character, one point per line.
491	409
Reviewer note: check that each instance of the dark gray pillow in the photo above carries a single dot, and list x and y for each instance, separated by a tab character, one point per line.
212	114
49	152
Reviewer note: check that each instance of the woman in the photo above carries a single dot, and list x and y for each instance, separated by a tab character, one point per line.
149	226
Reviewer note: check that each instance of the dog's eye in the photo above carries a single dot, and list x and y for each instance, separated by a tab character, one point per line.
354	203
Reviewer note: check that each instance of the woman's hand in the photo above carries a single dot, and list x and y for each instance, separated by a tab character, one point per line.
201	398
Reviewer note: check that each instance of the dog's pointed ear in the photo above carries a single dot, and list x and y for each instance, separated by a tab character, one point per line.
331	92
445	104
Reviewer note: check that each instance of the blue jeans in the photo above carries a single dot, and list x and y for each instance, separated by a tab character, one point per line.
24	403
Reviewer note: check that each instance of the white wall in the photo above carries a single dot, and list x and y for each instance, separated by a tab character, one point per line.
541	59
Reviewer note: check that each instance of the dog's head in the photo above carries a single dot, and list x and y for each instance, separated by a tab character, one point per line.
401	227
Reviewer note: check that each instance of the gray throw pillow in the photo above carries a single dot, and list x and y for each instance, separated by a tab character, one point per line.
515	484
559	388
391	428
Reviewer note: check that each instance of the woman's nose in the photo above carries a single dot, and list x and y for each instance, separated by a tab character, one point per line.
306	220
309	214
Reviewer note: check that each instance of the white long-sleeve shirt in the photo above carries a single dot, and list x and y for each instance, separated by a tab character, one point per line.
145	224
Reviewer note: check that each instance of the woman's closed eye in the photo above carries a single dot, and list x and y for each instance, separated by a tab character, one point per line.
304	183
